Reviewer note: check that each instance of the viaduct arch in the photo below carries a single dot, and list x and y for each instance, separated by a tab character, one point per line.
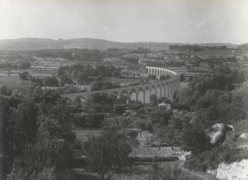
142	93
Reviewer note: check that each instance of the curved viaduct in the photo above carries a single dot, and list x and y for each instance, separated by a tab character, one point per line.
142	93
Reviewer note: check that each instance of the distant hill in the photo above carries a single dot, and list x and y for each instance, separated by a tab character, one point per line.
39	43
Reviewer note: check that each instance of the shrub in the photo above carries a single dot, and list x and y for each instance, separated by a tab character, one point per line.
96	119
81	120
211	159
25	65
196	163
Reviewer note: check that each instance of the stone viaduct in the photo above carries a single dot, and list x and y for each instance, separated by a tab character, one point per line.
142	93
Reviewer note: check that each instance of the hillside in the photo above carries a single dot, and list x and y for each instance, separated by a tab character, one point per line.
40	43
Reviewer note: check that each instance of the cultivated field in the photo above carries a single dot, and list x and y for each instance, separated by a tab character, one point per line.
41	67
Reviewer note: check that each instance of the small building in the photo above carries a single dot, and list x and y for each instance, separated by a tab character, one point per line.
49	88
149	109
125	83
112	60
167	106
144	63
87	88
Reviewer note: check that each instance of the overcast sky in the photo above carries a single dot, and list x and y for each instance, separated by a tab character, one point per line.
184	21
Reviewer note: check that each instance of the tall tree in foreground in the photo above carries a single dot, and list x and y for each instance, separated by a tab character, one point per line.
194	139
108	153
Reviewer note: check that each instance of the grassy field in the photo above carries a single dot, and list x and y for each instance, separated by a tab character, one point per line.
10	80
42	67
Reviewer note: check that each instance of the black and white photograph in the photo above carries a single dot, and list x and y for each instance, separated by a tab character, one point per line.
123	89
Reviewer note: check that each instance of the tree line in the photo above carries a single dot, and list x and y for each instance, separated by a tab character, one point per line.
196	47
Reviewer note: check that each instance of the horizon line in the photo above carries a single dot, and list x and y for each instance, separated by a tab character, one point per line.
119	41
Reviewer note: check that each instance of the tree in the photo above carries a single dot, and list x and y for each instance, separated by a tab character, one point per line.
108	153
50	81
24	75
182	77
38	136
4	106
119	108
25	65
22	125
37	91
152	76
194	139
51	154
61	70
207	116
115	73
160	117
18	127
55	121
65	80
35	80
101	85
153	100
162	77
4	91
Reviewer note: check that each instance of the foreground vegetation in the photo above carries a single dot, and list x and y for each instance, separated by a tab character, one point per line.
38	137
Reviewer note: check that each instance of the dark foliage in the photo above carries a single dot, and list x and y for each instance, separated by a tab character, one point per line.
212	158
108	153
102	85
194	139
34	137
24	75
25	65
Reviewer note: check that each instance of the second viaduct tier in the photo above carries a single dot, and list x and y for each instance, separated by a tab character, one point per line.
142	93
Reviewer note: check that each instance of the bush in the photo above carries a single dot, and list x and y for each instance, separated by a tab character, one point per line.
211	159
96	120
121	122
25	65
81	120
